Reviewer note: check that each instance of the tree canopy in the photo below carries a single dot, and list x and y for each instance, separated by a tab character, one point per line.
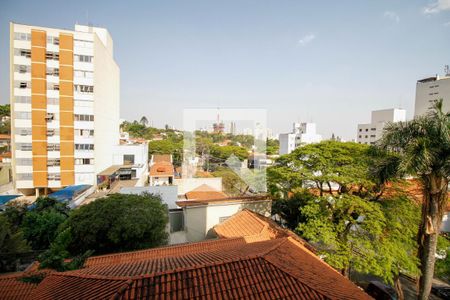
118	223
330	194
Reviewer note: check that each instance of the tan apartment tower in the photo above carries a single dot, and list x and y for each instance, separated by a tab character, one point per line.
64	99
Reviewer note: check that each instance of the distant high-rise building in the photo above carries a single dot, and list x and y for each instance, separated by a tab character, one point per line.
218	127
302	133
233	128
373	131
65	93
432	88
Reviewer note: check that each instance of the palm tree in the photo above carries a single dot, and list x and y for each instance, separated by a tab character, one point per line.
144	121
423	148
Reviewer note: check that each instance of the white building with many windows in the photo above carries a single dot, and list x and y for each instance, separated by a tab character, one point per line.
65	94
430	89
302	134
373	131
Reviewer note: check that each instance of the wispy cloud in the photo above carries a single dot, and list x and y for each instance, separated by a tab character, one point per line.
436	7
306	39
447	24
392	16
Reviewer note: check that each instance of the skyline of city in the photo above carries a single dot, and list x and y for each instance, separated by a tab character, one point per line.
192	56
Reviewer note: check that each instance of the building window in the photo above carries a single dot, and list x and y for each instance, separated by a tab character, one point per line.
84	161
360	136
360	130
52	40
24	176
23	99
84	146
83	58
54	176
22	69
53	162
23	131
52	101
87	89
24	161
373	135
24	146
128	159
367	129
367	136
23	115
52	147
52	72
22	36
51	55
84	118
22	52
84	132
83	74
373	129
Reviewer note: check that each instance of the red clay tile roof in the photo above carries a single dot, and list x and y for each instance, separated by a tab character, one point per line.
205	192
250	224
12	287
162	168
226	268
266	263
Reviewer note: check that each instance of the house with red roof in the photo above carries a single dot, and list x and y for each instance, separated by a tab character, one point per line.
251	258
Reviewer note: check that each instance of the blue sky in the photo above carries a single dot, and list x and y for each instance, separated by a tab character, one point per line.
330	62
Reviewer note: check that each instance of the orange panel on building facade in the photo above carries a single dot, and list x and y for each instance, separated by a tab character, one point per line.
39	148
66	72
65	41
67	148
40	179
38	117
65	57
38	70
38	86
38	107
39	102
67	163
65	88
65	103
67	178
66	133
37	54
38	38
40	164
65	118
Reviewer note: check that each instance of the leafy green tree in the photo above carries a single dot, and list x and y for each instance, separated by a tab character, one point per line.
58	258
118	223
5	110
40	225
272	147
442	269
423	145
167	147
144	121
344	211
11	243
233	185
288	209
220	154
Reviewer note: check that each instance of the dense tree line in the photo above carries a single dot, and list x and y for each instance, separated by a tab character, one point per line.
54	233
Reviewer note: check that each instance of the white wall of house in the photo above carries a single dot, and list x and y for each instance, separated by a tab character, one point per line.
371	132
140	153
200	220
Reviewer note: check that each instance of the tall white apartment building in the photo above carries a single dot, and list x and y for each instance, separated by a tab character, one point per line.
372	132
429	89
302	133
64	105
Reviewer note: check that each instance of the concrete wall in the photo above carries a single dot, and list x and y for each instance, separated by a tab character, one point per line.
106	105
432	90
140	152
